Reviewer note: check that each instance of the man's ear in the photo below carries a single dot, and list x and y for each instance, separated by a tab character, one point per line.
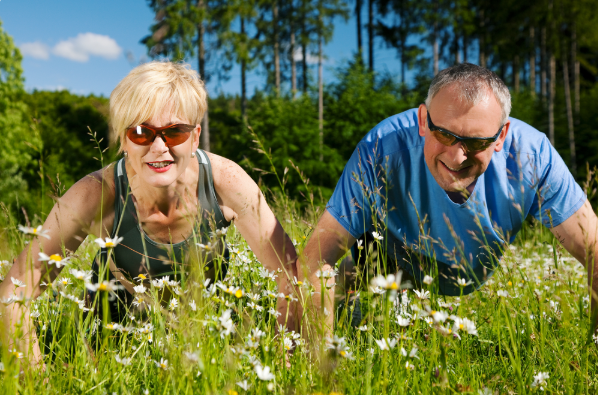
503	135
422	119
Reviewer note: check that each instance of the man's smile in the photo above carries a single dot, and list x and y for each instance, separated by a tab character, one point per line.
455	170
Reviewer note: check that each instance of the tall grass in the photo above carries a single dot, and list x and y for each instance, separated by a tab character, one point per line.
527	329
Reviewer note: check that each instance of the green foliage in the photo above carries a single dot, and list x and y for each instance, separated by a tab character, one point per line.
14	122
64	153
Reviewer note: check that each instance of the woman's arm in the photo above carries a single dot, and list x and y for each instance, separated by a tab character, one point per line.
74	215
246	206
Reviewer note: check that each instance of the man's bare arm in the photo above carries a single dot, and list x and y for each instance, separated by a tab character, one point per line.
327	244
579	235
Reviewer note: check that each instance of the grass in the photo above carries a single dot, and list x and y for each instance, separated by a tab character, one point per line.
527	329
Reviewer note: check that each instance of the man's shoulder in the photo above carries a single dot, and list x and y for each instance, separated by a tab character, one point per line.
395	133
524	138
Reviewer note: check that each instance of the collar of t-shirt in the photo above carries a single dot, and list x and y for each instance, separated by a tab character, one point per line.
458	197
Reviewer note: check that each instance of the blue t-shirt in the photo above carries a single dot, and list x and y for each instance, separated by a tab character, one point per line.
387	187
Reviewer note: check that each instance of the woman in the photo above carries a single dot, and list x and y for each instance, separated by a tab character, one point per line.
164	195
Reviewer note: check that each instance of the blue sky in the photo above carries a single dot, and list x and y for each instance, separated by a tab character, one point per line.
80	45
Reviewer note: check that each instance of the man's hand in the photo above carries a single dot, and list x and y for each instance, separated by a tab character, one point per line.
327	244
579	235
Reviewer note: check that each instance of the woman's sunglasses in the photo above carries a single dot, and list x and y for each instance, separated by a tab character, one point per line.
171	134
470	144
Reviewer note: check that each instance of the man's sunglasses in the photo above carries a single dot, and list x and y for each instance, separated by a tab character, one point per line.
171	134
470	144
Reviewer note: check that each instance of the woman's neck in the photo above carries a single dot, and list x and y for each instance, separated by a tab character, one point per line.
150	199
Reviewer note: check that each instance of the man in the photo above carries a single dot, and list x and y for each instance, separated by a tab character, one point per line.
443	188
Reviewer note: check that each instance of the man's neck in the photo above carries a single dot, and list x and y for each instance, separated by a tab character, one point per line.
462	196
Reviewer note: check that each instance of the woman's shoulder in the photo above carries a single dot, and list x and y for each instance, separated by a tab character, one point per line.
93	194
230	180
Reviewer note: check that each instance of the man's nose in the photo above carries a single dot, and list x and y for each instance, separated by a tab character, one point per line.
458	152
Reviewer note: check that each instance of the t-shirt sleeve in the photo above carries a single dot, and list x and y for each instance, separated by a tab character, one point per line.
355	198
558	195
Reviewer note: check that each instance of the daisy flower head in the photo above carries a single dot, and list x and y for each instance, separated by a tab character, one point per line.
428	279
463	282
163	364
263	373
540	380
15	353
17	283
54	259
109	242
377	236
386	344
81	274
34	231
174	303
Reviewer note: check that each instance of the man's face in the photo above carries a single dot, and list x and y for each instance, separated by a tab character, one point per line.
452	166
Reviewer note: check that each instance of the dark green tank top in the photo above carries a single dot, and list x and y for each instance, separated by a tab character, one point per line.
137	253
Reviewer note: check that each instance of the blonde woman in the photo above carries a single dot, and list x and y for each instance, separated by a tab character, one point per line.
164	195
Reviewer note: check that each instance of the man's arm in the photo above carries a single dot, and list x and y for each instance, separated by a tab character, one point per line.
327	244
579	235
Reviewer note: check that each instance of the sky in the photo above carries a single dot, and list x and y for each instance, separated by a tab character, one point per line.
82	45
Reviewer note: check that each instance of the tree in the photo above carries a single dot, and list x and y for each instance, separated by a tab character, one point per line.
184	28
18	136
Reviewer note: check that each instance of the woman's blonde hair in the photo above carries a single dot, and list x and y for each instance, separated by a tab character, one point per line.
150	88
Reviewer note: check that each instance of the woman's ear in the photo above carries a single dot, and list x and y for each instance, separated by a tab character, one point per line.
196	135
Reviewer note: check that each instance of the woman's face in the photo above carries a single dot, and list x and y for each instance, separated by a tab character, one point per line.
158	164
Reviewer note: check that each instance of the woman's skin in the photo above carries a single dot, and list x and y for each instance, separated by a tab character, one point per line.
166	205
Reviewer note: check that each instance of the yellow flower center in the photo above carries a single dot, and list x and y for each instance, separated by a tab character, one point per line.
102	287
141	276
299	282
343	353
432	312
461	326
34	231
394	286
65	282
509	283
110	326
55	258
109	244
239	293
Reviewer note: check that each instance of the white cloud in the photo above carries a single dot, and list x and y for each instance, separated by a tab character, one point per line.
35	50
81	47
310	58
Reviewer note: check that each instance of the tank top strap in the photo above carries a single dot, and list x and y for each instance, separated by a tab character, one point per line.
212	216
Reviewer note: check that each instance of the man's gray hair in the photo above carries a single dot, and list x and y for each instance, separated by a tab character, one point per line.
474	83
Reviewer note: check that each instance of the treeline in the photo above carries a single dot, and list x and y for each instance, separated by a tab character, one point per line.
546	47
545	51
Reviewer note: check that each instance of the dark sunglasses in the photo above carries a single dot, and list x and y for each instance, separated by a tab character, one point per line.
171	134
470	144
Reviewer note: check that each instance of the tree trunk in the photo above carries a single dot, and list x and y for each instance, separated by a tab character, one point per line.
276	47
543	64
575	69
303	47
293	65
532	62
482	40
201	64
435	40
320	98
371	33
359	38
243	78
573	160
516	73
457	49
465	47
552	92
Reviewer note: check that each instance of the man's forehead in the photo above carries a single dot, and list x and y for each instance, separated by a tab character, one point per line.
450	104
